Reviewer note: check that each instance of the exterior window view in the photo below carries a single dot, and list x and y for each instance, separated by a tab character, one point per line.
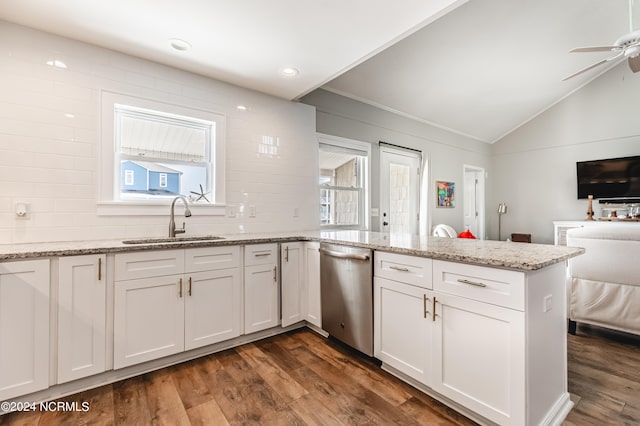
320	212
161	155
342	179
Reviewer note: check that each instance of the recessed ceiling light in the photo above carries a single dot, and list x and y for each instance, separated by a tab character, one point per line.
180	44
57	64
289	71
241	107
68	115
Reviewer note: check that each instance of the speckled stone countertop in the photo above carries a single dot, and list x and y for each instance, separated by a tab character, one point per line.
499	254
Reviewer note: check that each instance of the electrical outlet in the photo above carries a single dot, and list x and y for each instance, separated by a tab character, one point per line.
296	212
22	211
252	211
547	303
231	211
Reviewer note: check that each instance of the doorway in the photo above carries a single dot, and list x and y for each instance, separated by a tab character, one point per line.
473	200
399	190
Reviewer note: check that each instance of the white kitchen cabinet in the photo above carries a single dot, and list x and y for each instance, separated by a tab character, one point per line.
212	307
292	282
312	302
81	316
490	340
24	327
478	357
162	315
403	328
148	319
261	292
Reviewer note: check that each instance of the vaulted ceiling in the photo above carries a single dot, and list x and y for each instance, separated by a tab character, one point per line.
479	68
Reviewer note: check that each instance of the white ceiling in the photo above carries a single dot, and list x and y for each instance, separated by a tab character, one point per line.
241	42
482	69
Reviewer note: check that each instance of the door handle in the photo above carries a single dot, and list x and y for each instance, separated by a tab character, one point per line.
99	269
180	290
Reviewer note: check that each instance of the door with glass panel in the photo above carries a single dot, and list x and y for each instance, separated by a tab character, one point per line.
399	190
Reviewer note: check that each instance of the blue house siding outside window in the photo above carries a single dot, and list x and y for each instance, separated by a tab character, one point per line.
173	182
139	177
147	180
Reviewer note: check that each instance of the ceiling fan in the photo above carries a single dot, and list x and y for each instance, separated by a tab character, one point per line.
627	46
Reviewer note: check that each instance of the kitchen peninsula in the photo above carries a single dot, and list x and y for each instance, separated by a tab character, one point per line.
479	325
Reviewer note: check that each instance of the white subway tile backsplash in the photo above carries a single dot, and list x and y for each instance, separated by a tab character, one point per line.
51	161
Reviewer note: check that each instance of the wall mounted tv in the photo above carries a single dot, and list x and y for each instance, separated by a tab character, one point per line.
613	178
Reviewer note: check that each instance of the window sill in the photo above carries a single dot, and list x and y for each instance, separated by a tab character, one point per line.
123	208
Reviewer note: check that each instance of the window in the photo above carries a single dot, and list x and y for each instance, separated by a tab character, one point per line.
128	177
343	180
155	151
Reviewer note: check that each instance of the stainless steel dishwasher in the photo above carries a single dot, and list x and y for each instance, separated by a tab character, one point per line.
347	295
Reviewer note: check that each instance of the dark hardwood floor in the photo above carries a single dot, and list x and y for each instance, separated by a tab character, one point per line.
300	378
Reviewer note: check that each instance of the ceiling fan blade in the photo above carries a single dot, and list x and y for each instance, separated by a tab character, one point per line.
593	66
634	64
595	49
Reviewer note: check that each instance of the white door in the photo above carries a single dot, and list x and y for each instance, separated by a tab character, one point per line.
148	319
291	259
399	190
313	305
403	328
213	307
473	200
24	327
479	357
81	317
261	310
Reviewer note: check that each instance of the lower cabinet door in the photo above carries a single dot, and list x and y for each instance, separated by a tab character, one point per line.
291	278
403	328
24	327
261	310
148	319
479	357
81	317
213	307
311	296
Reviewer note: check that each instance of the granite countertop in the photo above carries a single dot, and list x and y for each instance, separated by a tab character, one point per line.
499	254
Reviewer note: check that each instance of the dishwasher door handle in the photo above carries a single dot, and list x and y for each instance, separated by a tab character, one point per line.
344	255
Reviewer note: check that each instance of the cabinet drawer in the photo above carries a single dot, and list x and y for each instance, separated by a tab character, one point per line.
211	258
496	286
145	264
406	269
260	254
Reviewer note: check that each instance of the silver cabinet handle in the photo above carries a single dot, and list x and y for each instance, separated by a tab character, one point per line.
267	253
475	283
398	268
275	274
286	253
424	302
345	255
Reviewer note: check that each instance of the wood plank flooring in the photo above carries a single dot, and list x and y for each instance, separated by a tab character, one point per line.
300	378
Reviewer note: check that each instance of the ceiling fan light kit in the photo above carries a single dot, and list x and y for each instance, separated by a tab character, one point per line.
627	45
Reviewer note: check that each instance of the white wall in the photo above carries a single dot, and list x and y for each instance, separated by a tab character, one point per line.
51	161
447	152
535	166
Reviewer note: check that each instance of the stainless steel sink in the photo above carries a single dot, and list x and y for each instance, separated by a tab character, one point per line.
173	240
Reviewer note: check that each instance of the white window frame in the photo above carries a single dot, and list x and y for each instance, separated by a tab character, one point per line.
129	178
109	178
162	180
364	216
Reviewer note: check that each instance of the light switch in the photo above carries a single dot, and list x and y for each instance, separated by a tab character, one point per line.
547	303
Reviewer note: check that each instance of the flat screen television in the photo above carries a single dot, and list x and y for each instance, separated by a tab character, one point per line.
613	178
